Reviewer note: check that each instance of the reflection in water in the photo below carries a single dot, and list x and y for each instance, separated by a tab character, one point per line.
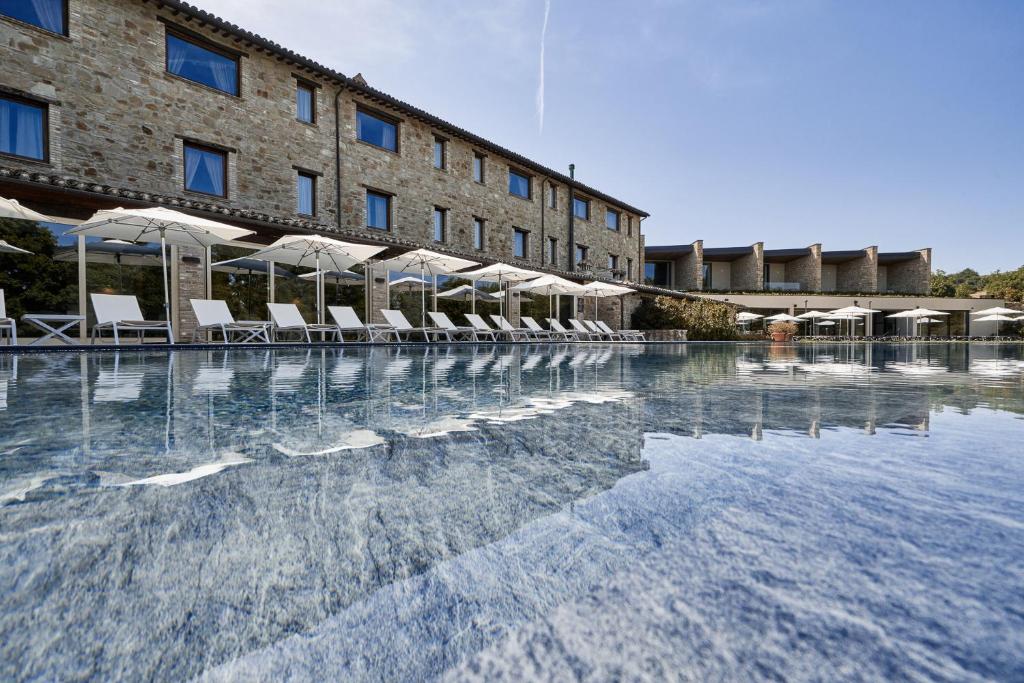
267	513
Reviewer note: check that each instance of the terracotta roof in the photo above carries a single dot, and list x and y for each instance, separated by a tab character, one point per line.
359	85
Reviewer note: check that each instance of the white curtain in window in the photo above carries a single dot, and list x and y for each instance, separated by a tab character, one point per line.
388	136
29	132
175	55
50	14
214	166
192	161
224	75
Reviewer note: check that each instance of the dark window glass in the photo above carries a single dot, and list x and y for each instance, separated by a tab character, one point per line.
478	233
629	269
706	275
22	129
611	219
553	198
306	190
305	97
581	253
581	208
518	184
46	14
202	65
478	168
438	153
378	211
656	273
206	170
629	226
552	250
519	243
439	225
376	131
613	262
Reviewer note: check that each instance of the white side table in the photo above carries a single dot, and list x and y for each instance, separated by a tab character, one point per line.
43	322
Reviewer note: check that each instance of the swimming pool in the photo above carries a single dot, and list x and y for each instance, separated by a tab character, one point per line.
553	512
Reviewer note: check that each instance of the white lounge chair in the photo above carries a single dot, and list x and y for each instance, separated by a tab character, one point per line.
535	329
8	325
481	327
611	335
213	315
347	320
121	313
514	333
442	320
402	326
286	318
582	330
627	335
568	335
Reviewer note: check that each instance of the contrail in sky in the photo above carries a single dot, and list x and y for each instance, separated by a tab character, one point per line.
540	84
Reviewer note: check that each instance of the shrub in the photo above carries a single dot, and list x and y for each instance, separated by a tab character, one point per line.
703	319
783	327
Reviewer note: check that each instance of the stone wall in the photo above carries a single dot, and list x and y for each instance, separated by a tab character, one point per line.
911	277
688	269
748	271
859	274
806	270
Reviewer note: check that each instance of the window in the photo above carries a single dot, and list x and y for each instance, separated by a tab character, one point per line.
629	226
705	275
201	64
611	220
629	269
657	273
439	153
305	103
552	250
23	129
440	224
553	197
613	262
306	191
478	233
206	170
376	131
49	15
519	242
378	210
581	254
518	184
581	208
478	167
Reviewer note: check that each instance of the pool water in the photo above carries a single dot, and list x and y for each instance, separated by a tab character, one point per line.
691	512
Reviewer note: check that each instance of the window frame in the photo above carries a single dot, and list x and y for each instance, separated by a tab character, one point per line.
185	144
208	45
613	261
552	250
302	173
44	107
585	251
526	243
443	143
586	203
65	21
443	213
388	198
482	225
618	219
311	88
553	197
482	158
384	118
629	269
529	183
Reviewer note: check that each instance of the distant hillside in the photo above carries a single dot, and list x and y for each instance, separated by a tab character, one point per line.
1007	285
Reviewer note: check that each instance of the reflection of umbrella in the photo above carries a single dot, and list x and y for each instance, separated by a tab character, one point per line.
10	208
159	224
408	284
6	248
466	293
248	266
316	251
430	263
113	252
345	278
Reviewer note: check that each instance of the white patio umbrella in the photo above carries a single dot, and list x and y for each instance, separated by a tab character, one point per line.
812	316
317	252
996	310
747	315
430	263
784	318
10	208
854	310
996	318
602	289
499	272
7	248
466	293
551	285
159	224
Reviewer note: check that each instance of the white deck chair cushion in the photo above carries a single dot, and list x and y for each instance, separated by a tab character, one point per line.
111	308
3	306
396	319
578	326
345	317
593	326
476	321
556	326
603	326
286	315
442	320
212	312
532	324
501	322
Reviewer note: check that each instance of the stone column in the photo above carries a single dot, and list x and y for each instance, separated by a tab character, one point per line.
512	302
191	284
806	270
748	271
912	277
689	269
376	293
859	274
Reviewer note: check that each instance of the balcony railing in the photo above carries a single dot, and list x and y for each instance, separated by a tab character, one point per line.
784	286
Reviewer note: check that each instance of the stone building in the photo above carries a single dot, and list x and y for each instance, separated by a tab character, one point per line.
143	102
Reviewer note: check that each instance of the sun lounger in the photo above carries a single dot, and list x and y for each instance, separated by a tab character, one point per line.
347	320
610	335
7	325
628	335
442	320
481	327
286	318
121	313
514	333
403	327
582	331
535	329
557	328
213	315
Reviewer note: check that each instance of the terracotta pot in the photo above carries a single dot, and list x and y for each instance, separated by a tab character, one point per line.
781	337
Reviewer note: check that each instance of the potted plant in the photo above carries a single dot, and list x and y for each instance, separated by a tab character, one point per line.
782	331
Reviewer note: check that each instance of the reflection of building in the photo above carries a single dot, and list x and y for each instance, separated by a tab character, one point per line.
186	110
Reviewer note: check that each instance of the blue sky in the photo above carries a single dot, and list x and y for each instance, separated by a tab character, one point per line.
896	123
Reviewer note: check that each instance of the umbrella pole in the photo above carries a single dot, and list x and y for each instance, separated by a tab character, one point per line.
319	304
167	294
434	278
473	304
423	298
